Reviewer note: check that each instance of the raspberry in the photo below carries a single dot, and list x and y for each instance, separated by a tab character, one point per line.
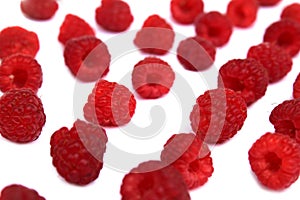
19	192
114	15
268	2
275	60
87	58
218	127
40	10
155	37
296	87
15	39
73	27
274	159
152	78
185	11
20	71
78	153
190	156
22	116
242	13
214	27
292	12
110	104
196	53
285	118
286	34
247	77
165	183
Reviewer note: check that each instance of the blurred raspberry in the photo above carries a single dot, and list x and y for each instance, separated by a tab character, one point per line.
19	192
292	12
40	10
185	11
296	87
268	2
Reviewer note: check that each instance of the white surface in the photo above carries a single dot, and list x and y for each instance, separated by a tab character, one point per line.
30	164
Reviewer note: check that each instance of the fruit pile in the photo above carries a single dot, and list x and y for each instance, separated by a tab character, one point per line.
186	161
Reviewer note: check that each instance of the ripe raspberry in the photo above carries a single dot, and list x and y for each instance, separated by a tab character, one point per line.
268	2
214	27
77	154
156	36
292	12
20	71
285	118
286	34
73	27
87	58
218	115
274	159
185	11
40	10
165	183
19	192
22	116
110	104
242	13
296	87
196	53
274	59
15	39
114	15
152	78
247	77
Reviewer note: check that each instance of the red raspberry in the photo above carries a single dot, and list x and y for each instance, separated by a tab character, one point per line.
274	159
214	27
196	53
156	36
296	87
275	60
285	118
292	12
242	13
152	78
185	11
73	27
114	15
78	153
40	10
110	104
218	127
20	71
18	40
247	77
22	116
286	34
19	192
87	58
165	183
268	2
190	156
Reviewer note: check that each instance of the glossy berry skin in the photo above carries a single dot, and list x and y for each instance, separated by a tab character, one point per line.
292	12
110	104
274	159
19	192
77	153
22	115
185	11
296	87
218	127
39	10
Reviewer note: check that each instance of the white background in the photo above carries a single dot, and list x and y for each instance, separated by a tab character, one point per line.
30	164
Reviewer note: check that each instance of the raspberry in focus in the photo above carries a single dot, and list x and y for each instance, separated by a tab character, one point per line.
114	15
296	87
20	71
110	104
77	153
19	192
274	159
214	27
247	77
22	116
185	11
16	39
152	78
292	12
196	53
40	10
87	57
218	115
